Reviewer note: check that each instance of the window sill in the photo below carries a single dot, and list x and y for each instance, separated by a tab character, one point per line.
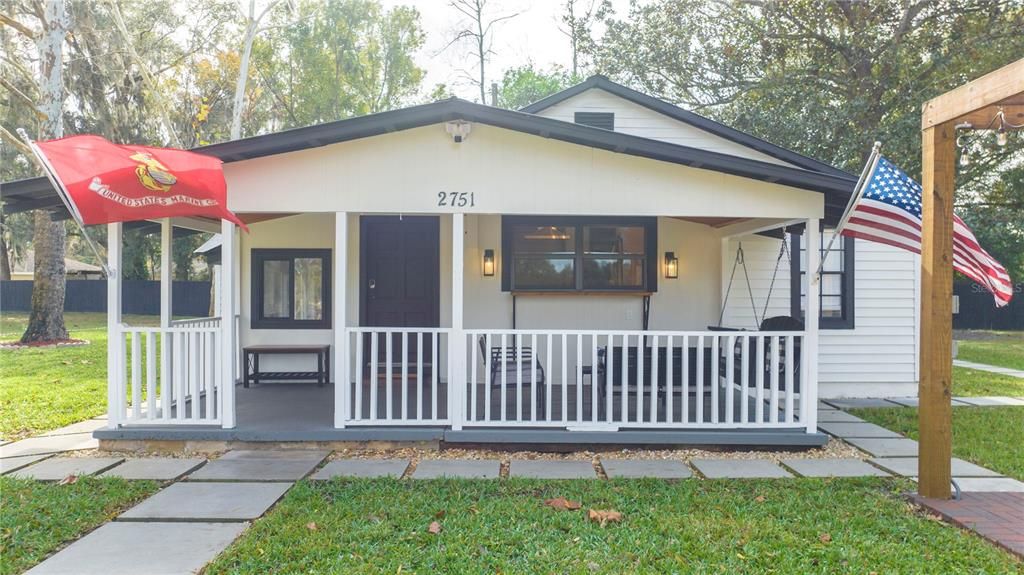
582	293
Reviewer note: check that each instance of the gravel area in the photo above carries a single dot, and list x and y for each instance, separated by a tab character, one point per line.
833	449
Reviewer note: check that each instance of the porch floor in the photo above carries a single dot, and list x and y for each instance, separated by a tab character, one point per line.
286	412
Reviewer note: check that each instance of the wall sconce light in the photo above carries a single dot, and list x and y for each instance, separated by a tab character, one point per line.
488	263
671	265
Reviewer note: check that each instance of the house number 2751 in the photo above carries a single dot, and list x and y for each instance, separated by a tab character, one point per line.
456	199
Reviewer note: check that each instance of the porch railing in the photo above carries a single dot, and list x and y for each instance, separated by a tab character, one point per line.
575	379
213	321
396	376
172	375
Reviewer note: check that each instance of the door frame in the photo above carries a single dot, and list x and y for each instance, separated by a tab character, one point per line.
435	255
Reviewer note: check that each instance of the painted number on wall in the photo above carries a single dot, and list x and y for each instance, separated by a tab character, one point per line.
456	199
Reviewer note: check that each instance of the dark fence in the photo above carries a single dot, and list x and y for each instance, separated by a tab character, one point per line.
137	296
978	310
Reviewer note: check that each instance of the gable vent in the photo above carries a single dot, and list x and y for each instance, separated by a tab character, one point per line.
605	120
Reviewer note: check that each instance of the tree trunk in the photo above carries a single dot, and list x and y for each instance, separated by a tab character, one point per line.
46	323
5	255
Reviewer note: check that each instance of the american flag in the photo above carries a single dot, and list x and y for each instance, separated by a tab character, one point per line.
888	210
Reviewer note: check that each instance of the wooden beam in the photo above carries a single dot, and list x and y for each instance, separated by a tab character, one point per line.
992	88
936	385
981	119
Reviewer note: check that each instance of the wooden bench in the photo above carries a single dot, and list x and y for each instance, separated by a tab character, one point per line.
251	363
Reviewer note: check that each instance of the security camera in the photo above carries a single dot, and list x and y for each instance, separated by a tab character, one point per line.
458	130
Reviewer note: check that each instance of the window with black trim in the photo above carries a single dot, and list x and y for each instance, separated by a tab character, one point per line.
291	289
579	254
837	280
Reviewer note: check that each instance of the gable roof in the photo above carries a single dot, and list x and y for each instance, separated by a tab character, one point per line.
688	117
36	193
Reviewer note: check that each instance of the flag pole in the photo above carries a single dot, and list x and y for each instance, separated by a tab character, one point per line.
62	193
858	191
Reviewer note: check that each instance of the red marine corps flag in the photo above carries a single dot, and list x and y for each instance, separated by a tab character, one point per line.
104	182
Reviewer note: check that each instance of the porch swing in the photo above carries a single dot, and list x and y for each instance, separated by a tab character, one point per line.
770	324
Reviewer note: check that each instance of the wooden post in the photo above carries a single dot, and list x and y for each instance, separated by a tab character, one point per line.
342	388
936	385
115	343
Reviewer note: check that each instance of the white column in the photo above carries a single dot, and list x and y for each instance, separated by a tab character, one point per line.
226	403
341	352
115	343
812	285
166	271
457	339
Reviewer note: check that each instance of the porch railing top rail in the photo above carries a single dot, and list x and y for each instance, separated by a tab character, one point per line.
661	333
370	329
193	320
173	329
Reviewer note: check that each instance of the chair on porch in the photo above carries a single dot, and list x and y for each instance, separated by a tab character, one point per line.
777	324
517	360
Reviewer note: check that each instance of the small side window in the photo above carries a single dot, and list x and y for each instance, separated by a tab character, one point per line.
291	289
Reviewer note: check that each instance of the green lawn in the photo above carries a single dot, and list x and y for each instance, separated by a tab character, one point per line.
791	526
992	437
974	383
46	388
38	518
1007	350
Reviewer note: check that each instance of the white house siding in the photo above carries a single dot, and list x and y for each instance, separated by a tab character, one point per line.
636	120
507	172
876	358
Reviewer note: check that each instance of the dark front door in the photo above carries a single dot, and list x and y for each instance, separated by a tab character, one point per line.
400	271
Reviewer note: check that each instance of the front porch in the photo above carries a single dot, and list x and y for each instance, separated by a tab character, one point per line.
464	384
301	412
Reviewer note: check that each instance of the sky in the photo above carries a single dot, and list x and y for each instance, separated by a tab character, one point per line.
532	36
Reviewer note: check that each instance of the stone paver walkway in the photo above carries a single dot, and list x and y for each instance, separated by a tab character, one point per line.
540	469
57	468
459	468
860	403
155	468
739	468
998	517
260	466
158	548
989	368
208	501
641	468
362	468
833	468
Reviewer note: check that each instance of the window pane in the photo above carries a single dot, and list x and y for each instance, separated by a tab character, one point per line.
831	306
611	273
275	289
528	239
834	259
309	297
613	240
544	273
831	284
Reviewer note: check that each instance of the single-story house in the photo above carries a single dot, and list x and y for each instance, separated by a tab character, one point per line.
23	269
599	267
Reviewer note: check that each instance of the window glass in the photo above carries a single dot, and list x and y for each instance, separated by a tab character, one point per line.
308	288
613	273
544	239
613	240
275	289
835	278
545	273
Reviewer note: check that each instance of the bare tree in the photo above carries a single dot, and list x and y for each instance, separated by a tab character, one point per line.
253	28
477	30
577	18
46	322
